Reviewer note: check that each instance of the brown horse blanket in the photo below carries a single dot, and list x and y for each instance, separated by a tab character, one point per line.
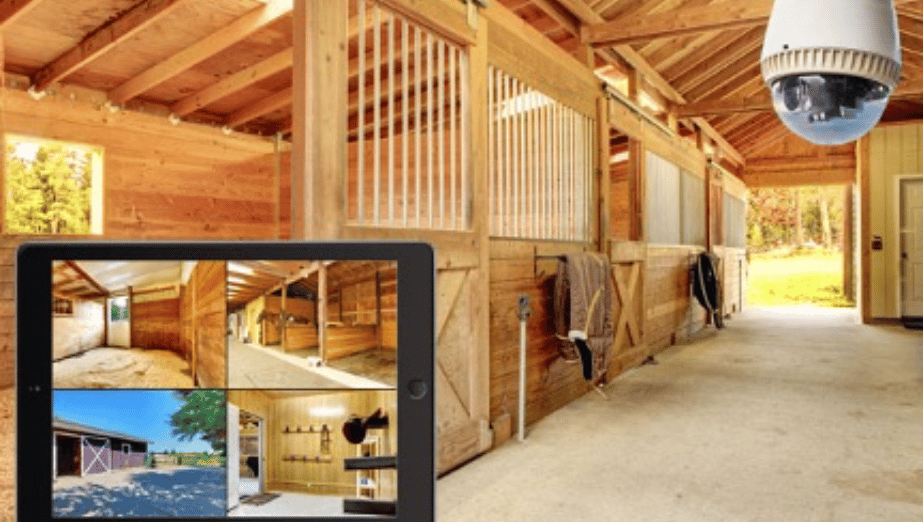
584	322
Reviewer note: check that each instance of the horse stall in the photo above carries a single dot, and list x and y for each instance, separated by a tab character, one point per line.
487	129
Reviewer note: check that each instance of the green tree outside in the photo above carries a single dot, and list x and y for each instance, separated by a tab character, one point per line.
50	194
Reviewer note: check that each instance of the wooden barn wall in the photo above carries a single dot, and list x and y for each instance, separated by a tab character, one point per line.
157	325
83	330
357	303
325	478
550	381
210	320
672	313
619	221
159	181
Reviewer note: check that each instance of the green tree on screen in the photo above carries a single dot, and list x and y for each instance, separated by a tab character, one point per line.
51	194
202	414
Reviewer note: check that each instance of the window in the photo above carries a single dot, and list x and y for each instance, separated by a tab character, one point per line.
675	204
735	225
118	309
52	187
62	306
126	448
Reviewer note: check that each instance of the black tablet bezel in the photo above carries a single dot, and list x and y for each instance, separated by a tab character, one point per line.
416	344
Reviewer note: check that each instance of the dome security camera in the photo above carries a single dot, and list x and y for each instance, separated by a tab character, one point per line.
831	66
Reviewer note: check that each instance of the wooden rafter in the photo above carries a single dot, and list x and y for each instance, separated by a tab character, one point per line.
87	277
641	25
12	10
233	83
626	53
678	22
268	104
103	39
762	102
232	33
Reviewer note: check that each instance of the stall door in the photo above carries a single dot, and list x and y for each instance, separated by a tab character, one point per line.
97	455
912	247
461	434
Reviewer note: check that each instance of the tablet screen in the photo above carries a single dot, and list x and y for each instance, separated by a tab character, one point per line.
224	388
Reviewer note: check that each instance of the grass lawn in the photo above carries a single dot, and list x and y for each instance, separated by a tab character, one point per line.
784	278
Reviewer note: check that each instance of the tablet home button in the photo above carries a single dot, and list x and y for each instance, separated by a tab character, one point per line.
417	389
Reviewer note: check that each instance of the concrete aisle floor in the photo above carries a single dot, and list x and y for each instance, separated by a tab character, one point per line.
788	414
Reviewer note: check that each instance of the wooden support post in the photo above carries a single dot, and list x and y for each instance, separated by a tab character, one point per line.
848	244
635	85
191	286
604	176
131	313
709	237
322	311
477	165
636	160
863	171
283	337
319	119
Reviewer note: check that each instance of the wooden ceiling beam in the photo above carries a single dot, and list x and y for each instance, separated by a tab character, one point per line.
625	53
103	39
641	26
268	104
235	82
678	22
803	177
96	286
906	90
12	10
234	32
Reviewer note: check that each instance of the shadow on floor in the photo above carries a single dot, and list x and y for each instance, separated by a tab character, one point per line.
183	492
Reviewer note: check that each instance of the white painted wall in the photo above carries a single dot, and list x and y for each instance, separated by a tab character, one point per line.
894	152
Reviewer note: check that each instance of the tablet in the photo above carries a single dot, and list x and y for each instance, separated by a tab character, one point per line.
216	381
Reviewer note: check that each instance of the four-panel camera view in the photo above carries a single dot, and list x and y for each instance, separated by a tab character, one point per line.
224	388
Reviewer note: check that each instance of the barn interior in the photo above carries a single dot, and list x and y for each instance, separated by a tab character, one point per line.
331	322
504	133
307	466
138	324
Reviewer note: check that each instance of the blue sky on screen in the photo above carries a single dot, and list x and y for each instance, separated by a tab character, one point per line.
143	413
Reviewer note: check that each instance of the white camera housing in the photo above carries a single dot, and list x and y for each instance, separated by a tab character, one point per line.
831	65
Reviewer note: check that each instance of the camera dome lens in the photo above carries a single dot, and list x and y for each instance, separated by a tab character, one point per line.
829	109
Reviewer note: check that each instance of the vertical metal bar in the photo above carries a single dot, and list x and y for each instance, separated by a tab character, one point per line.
546	179
390	98
429	129
466	138
562	167
591	198
441	119
535	162
453	135
530	164
405	118
508	145
571	171
417	124
376	101
360	141
517	145
491	151
391	90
